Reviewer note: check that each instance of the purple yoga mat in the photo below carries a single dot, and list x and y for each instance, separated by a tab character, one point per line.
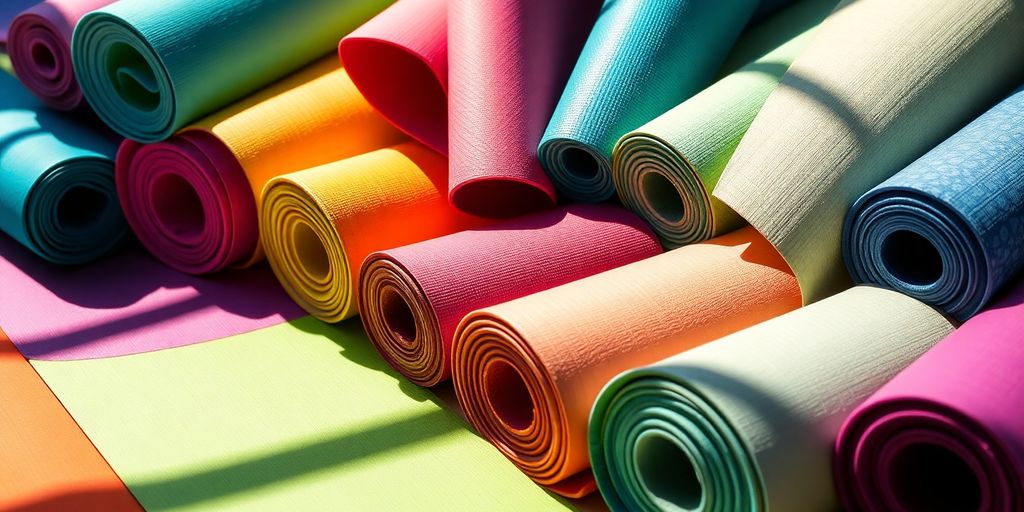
948	432
127	303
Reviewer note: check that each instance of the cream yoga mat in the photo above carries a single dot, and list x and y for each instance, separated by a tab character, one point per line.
748	422
879	85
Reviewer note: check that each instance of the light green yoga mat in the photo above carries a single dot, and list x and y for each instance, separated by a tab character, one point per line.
665	170
300	416
149	67
748	422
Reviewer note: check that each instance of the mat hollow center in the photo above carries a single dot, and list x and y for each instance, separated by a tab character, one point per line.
81	207
177	206
508	395
579	163
311	252
912	258
928	476
663	197
398	315
668	473
44	59
132	77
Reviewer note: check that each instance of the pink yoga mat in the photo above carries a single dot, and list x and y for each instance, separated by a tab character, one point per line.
127	303
508	63
39	44
948	432
399	61
412	298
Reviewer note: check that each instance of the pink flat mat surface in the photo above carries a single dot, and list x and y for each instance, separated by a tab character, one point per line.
128	303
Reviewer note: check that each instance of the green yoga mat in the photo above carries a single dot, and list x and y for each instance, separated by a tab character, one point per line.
748	422
665	170
642	58
300	416
57	194
149	67
880	83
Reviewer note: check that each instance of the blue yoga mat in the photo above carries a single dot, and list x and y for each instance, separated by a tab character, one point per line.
57	194
949	229
642	58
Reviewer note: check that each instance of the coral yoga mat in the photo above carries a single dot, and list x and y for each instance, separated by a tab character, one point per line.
318	225
878	86
57	193
508	63
192	199
948	229
39	43
399	61
946	433
748	422
412	298
527	371
47	462
665	170
642	59
150	67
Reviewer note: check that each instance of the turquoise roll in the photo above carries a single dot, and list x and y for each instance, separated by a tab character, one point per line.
642	58
149	67
57	194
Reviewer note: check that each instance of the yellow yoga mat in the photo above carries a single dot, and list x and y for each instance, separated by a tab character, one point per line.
318	225
219	166
881	83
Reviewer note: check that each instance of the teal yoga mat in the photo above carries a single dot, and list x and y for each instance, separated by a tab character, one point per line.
642	58
949	229
57	193
149	67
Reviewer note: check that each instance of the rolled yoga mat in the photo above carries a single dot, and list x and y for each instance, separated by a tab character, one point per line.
527	371
193	199
508	63
946	433
39	43
748	422
318	225
150	67
642	59
57	193
48	463
665	170
399	61
949	229
412	298
877	87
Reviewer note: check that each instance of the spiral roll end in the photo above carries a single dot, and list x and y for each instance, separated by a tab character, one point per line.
41	58
581	172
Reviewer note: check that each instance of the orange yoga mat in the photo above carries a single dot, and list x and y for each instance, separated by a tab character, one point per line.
528	371
192	199
318	225
46	462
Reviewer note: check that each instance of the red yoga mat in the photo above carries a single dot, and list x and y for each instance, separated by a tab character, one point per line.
412	298
508	63
399	61
948	432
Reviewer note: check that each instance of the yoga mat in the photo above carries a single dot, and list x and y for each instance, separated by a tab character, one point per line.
665	170
57	192
47	462
527	371
949	229
412	298
299	416
192	199
399	61
747	422
878	86
946	433
509	61
318	225
642	59
127	303
150	67
39	44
